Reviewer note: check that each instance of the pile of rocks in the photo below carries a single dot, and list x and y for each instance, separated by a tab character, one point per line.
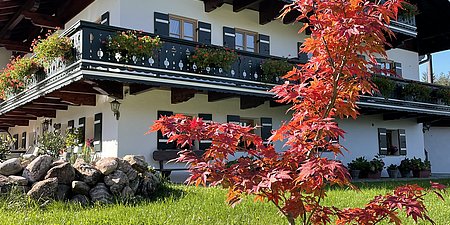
44	178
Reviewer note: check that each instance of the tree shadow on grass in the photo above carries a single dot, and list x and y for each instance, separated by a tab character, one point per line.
392	184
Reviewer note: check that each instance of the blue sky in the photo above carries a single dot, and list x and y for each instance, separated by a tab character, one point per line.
441	63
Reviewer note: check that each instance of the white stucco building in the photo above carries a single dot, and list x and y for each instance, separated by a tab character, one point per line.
78	94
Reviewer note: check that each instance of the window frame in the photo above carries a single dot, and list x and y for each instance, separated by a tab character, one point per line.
381	64
182	20
244	40
389	142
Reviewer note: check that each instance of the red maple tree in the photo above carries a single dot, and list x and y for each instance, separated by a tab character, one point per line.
325	88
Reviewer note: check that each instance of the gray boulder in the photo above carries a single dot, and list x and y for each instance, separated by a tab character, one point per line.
18	180
64	172
137	162
100	194
148	185
80	187
125	167
116	181
86	172
134	184
44	189
62	192
10	167
36	170
107	165
127	192
5	185
81	199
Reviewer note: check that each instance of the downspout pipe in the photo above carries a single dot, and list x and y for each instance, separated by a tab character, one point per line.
429	60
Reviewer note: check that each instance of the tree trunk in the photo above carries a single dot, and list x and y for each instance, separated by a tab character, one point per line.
290	219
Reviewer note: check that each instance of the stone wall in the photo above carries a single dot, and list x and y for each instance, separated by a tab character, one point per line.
43	178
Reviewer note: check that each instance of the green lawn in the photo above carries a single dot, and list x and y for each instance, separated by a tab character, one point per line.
191	205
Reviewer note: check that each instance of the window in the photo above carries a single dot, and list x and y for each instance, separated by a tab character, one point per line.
24	140
245	40
392	142
183	28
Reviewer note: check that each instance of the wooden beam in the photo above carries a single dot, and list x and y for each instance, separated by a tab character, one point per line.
14	122
398	115
37	112
179	95
45	107
273	103
79	88
9	4
140	88
111	88
19	117
248	102
16	45
42	20
47	101
75	98
68	11
29	5
270	10
211	5
218	96
243	4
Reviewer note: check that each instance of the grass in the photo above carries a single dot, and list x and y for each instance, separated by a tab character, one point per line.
178	204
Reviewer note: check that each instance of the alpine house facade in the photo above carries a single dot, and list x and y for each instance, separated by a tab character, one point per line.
78	94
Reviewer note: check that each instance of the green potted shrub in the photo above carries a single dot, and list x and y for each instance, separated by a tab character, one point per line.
272	68
358	167
421	169
131	43
6	142
204	57
392	171
51	143
405	168
52	47
385	86
376	166
416	92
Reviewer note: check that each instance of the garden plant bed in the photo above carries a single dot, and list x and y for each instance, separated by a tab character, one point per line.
179	204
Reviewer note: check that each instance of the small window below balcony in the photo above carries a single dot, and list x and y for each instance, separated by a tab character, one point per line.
183	28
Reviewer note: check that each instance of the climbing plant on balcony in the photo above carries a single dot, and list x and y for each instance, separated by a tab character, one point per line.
385	86
204	57
51	47
443	94
408	9
274	68
328	87
417	92
13	77
132	43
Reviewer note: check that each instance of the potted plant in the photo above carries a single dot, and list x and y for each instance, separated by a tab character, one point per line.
408	10
416	92
204	57
126	44
274	68
6	143
386	86
405	167
392	171
51	48
376	166
421	169
14	76
51	143
358	167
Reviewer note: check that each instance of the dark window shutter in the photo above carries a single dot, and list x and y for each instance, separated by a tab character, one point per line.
98	132
161	24
229	37
382	141
24	140
57	126
205	144
398	69
303	57
16	141
82	129
266	128
402	139
233	119
162	140
70	125
264	44
204	33
105	19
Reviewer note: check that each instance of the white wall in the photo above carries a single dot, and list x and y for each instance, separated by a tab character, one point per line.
409	61
5	56
361	138
437	143
139	111
96	9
